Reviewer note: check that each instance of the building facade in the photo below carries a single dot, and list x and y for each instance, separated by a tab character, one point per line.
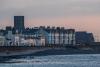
83	37
57	37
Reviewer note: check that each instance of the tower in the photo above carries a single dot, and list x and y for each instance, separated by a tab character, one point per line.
19	23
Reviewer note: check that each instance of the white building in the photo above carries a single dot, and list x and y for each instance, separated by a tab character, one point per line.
17	40
9	39
2	40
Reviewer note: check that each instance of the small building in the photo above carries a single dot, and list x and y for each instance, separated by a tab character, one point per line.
2	40
83	37
9	39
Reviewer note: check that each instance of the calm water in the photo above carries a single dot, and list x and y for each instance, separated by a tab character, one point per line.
84	60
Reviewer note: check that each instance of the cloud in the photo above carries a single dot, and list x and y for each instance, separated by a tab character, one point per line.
37	12
49	8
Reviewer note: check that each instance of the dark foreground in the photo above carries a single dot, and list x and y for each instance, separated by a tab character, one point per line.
69	50
90	49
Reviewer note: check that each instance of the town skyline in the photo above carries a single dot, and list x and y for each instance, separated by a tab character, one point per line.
49	33
78	14
29	25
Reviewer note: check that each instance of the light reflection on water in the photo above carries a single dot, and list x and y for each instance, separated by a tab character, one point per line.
84	60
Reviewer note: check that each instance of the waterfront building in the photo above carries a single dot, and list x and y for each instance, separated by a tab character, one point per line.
32	40
83	37
17	41
9	38
2	32
12	39
50	36
2	40
42	41
57	36
8	28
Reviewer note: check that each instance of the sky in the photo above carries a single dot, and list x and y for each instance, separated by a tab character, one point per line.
79	14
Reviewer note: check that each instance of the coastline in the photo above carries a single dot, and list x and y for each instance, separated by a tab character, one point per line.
46	51
42	51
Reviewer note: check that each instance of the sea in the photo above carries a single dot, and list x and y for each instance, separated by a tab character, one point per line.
76	60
